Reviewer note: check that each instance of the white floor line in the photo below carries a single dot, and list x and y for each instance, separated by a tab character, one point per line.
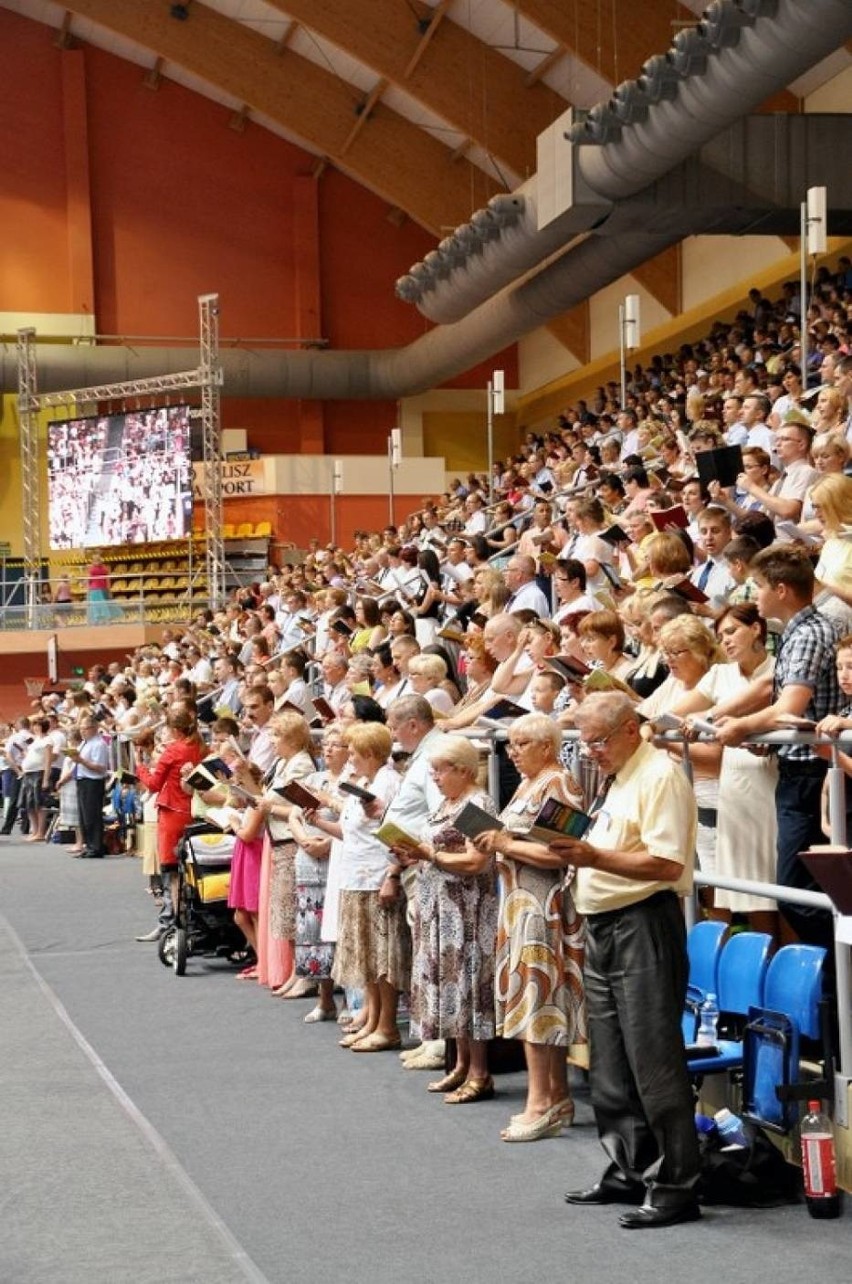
166	1155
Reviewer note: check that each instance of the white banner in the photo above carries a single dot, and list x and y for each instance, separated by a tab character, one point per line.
240	477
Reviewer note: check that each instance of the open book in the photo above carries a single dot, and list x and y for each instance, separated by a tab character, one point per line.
555	819
208	773
226	818
393	835
296	793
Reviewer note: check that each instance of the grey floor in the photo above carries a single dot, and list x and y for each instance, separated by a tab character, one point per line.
165	1129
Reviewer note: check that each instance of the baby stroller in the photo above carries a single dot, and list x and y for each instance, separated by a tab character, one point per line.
203	922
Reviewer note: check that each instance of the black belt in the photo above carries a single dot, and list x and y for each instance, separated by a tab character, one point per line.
605	916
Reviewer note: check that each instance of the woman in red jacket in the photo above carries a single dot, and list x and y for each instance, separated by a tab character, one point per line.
182	748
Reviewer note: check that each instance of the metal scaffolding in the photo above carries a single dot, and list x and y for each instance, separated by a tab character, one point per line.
207	376
30	488
211	427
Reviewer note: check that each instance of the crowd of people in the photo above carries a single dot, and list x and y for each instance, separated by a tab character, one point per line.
525	646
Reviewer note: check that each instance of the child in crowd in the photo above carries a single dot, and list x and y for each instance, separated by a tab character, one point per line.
738	556
544	690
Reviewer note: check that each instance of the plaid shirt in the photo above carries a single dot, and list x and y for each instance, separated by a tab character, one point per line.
806	658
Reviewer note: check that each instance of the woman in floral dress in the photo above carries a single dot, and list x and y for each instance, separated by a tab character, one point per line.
455	929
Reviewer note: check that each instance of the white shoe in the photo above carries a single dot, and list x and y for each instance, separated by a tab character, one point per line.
153	935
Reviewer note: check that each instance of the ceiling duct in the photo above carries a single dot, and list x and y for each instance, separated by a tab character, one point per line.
740	53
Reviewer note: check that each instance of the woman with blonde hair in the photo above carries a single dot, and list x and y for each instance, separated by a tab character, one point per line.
276	919
426	673
830	452
829	412
455	928
492	592
540	936
373	944
831	498
690	650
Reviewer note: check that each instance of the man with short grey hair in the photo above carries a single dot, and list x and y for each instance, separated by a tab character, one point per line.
632	868
525	595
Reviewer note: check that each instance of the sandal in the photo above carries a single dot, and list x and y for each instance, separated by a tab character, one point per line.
349	1039
321	1014
563	1111
452	1080
376	1042
540	1128
471	1090
248	973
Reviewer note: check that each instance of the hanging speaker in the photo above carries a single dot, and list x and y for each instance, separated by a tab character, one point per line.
631	321
498	393
817	220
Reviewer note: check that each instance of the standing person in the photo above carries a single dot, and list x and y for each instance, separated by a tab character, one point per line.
15	748
92	760
538	970
635	864
804	684
97	592
373	949
174	805
455	929
411	722
36	765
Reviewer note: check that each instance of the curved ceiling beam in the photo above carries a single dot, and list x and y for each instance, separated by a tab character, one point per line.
457	76
615	37
391	156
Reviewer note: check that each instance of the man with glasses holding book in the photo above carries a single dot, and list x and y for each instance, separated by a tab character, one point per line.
632	868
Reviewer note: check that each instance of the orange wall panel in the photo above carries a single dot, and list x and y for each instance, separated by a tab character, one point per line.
34	269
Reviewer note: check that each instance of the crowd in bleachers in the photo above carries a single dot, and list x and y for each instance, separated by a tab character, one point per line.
681	563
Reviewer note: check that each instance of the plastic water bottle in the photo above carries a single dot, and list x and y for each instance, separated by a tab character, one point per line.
708	1025
730	1129
818	1164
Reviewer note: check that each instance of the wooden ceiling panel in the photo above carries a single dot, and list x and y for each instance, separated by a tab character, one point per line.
458	77
391	156
613	36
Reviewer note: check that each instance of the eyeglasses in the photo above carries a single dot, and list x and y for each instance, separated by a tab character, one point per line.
598	746
516	746
673	655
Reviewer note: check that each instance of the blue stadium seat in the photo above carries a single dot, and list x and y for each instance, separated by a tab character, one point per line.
704	946
790	1009
742	971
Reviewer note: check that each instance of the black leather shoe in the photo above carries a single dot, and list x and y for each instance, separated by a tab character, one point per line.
648	1218
605	1192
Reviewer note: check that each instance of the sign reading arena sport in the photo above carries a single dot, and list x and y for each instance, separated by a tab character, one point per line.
239	477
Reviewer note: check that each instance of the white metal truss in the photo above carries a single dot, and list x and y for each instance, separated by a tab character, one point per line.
207	376
30	488
211	428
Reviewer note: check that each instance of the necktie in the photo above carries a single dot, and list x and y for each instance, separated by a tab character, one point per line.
600	797
705	574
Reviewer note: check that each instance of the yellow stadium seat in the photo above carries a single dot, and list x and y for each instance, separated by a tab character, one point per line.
245	530
228	530
263	530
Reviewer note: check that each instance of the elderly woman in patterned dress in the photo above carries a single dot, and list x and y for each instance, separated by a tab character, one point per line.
540	939
455	928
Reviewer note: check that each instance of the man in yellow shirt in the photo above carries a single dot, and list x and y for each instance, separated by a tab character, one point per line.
635	864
